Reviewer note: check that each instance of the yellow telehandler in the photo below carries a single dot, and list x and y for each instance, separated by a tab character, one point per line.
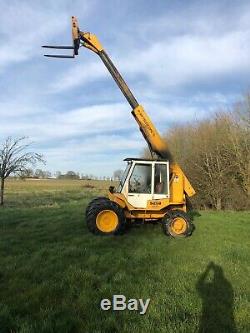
150	189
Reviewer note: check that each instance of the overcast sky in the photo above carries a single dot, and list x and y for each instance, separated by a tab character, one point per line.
183	60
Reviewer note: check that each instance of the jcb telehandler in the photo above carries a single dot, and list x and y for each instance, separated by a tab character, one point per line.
150	189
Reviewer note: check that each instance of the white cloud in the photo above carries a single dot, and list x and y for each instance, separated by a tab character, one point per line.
56	125
80	74
92	120
93	139
99	155
25	26
173	62
100	144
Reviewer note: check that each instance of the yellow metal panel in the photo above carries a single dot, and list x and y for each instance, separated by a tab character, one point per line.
157	204
176	184
93	40
119	199
149	130
179	184
143	215
188	188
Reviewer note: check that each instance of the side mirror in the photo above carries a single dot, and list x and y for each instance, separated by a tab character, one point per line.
111	189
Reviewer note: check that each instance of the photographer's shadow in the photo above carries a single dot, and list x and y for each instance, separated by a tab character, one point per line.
217	297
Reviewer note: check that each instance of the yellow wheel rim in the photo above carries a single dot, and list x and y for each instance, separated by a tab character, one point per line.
107	221
179	225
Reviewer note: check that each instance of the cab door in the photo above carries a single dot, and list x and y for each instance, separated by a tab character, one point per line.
161	180
140	185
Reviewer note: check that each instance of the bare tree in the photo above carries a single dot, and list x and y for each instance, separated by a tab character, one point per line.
39	173
14	158
215	155
29	173
240	140
42	174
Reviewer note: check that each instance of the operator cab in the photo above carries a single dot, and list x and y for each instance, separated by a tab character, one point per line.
144	180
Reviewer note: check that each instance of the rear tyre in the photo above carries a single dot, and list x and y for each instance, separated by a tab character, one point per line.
105	217
177	224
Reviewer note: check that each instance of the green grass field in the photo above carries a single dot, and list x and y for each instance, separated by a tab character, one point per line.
54	273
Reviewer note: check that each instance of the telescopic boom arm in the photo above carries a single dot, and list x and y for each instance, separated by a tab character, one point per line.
156	144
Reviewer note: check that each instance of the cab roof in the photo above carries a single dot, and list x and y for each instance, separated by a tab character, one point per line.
128	159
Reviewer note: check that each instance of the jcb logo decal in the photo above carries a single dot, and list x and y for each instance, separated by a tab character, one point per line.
155	203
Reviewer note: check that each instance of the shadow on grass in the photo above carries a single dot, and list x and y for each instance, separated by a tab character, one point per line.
216	293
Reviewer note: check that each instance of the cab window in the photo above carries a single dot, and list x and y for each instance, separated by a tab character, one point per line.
140	179
161	179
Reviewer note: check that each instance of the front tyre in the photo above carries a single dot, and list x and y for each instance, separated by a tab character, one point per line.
105	217
177	224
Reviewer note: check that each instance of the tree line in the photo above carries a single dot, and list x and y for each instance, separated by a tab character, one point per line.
45	174
215	155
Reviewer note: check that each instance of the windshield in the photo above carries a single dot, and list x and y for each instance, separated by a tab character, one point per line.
124	177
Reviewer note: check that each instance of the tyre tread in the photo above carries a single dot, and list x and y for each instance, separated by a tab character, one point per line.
95	207
171	215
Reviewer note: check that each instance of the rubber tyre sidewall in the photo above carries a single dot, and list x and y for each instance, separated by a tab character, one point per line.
97	206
